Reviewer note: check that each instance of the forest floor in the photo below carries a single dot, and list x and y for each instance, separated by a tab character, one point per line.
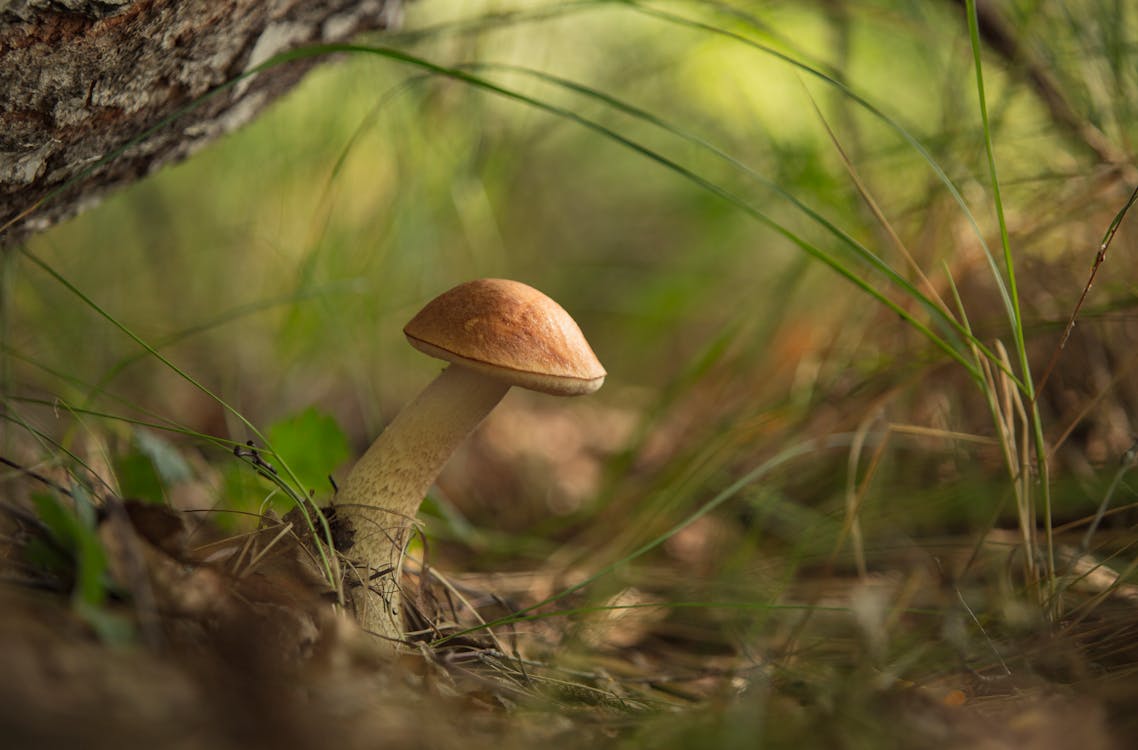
214	641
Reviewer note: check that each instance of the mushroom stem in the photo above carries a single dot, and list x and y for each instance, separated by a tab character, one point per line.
382	493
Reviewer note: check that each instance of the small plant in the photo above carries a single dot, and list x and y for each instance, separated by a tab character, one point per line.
64	545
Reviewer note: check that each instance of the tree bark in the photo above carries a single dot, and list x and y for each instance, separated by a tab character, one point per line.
81	79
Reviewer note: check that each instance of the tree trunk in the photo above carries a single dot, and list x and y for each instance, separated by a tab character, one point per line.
81	79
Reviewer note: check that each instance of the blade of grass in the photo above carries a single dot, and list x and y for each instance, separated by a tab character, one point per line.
997	201
878	215
1026	384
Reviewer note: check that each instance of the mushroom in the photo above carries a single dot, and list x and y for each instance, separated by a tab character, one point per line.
495	334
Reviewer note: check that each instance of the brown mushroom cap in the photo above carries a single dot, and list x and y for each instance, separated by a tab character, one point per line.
509	331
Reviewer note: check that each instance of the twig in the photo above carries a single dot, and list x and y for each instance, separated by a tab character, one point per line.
38	477
1100	258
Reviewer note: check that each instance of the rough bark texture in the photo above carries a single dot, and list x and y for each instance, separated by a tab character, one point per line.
80	79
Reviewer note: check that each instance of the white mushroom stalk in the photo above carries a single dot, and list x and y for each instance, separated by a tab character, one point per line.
383	491
496	334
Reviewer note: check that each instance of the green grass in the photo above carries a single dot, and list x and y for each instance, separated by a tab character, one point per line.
826	254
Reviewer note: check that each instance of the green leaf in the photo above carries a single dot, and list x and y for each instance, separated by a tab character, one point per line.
138	478
75	533
154	465
312	445
167	460
61	523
